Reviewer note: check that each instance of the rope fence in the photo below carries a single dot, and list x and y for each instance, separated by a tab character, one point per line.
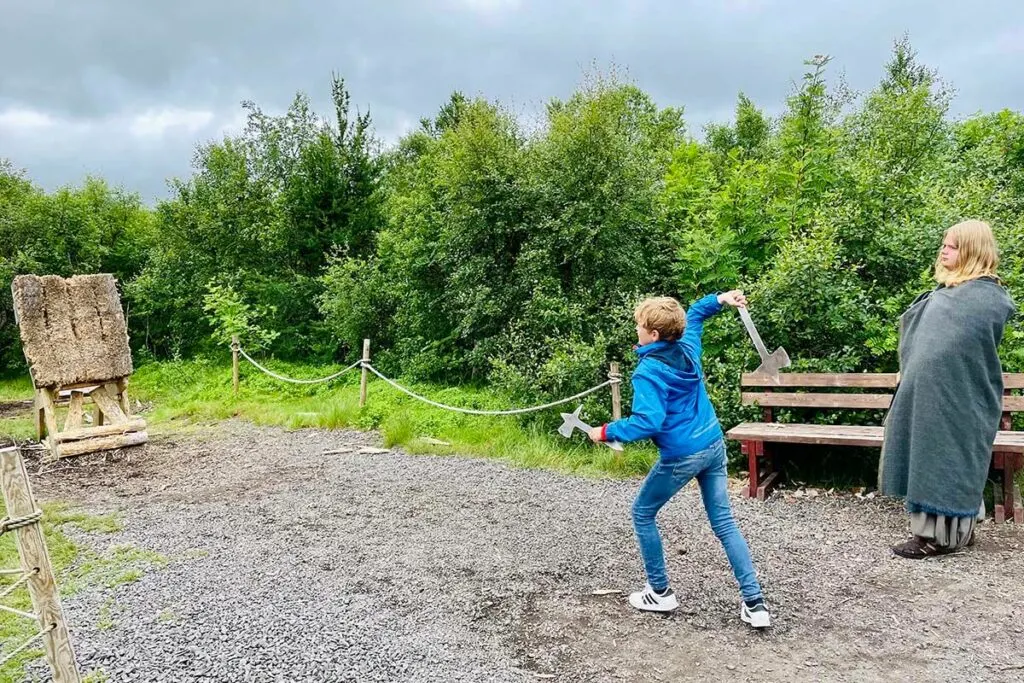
471	411
613	381
25	645
10	524
293	380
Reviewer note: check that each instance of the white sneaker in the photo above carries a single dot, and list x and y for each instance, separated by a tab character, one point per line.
649	601
757	616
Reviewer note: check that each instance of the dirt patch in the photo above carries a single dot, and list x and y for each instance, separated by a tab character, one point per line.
10	409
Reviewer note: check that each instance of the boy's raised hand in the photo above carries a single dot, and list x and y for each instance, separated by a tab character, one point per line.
733	298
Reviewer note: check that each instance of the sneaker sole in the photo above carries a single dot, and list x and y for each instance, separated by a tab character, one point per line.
654	608
750	621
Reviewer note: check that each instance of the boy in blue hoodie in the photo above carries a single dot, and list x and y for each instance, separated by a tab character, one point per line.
671	407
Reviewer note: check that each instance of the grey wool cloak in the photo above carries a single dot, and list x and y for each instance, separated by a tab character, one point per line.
945	413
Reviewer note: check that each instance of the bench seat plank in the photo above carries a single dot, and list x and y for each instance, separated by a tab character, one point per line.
838	435
1011	404
841	435
861	380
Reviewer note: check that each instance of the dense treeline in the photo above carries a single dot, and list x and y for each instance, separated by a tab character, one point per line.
479	250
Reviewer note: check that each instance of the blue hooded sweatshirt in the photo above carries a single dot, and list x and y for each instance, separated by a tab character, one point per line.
670	403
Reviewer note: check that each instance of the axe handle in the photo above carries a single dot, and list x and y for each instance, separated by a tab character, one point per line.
585	428
614	445
752	331
579	424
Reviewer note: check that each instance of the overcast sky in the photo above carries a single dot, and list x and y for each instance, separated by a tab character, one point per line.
126	88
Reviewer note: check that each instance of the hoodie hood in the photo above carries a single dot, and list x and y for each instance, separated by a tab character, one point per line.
674	367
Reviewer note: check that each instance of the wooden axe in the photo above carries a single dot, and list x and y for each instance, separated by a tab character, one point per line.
771	363
571	421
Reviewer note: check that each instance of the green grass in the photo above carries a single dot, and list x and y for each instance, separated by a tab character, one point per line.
168	616
105	622
19	429
199	391
18	426
188	393
15	389
76	569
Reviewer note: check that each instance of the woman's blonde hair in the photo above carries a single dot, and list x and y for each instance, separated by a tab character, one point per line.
978	254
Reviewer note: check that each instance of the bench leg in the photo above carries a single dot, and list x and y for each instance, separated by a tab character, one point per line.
767	484
1007	494
751	449
757	460
998	485
1012	464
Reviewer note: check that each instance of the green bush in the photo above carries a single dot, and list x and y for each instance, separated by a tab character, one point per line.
480	251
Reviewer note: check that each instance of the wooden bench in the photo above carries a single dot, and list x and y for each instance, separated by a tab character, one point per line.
760	440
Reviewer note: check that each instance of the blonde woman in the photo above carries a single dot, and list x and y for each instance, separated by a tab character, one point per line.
945	414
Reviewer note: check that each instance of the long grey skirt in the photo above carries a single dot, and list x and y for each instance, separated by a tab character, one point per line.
947	532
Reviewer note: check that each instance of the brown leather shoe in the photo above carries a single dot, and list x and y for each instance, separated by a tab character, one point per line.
918	548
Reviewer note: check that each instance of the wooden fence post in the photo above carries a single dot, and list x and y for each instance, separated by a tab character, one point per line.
234	364
36	559
362	380
613	372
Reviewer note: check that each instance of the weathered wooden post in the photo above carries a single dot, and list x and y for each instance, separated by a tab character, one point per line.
234	364
613	373
35	563
366	373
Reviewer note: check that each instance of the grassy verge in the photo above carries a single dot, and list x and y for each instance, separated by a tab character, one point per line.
15	389
76	568
181	394
16	424
184	393
197	391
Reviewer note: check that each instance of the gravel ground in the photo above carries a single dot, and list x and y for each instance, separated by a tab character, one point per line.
286	564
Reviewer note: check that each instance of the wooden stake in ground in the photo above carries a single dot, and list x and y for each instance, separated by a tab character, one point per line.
234	364
366	373
613	373
36	559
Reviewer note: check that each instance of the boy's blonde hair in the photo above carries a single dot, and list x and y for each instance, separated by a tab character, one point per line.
978	254
661	313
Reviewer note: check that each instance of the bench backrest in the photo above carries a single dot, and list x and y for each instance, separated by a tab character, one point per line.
882	385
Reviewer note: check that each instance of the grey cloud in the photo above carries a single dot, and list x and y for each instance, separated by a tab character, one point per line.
98	62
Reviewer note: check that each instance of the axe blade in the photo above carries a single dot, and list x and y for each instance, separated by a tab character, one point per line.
570	421
773	363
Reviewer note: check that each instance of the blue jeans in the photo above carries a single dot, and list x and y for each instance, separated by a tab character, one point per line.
664	481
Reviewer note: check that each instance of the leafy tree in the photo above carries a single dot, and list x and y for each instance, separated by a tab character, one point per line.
90	229
259	217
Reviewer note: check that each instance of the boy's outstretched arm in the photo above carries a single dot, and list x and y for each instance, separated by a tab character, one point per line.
704	308
648	414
